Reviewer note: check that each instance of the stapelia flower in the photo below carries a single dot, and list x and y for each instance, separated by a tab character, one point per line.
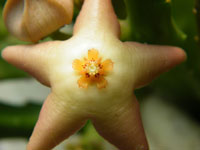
114	110
92	69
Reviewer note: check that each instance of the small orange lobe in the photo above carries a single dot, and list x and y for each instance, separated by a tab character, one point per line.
92	70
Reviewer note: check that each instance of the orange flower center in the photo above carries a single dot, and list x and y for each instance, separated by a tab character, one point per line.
92	68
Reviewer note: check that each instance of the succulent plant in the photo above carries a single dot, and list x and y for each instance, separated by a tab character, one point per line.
116	67
93	74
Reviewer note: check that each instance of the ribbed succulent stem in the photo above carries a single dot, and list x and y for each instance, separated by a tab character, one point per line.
151	21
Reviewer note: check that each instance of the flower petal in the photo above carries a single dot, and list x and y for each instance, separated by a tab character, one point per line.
77	65
107	66
83	82
101	82
93	54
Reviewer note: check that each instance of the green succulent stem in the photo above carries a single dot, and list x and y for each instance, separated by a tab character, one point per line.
151	22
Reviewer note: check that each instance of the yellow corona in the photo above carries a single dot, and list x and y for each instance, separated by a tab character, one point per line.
92	69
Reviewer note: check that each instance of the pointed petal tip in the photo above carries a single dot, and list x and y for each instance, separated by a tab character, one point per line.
6	52
99	16
179	55
11	52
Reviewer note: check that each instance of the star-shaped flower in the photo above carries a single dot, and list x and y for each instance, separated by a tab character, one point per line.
113	110
92	69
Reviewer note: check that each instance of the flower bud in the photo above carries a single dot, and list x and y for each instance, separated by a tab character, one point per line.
31	20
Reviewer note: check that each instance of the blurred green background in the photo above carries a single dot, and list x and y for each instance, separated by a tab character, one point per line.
170	105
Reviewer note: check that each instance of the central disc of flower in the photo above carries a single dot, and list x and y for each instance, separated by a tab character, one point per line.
92	68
